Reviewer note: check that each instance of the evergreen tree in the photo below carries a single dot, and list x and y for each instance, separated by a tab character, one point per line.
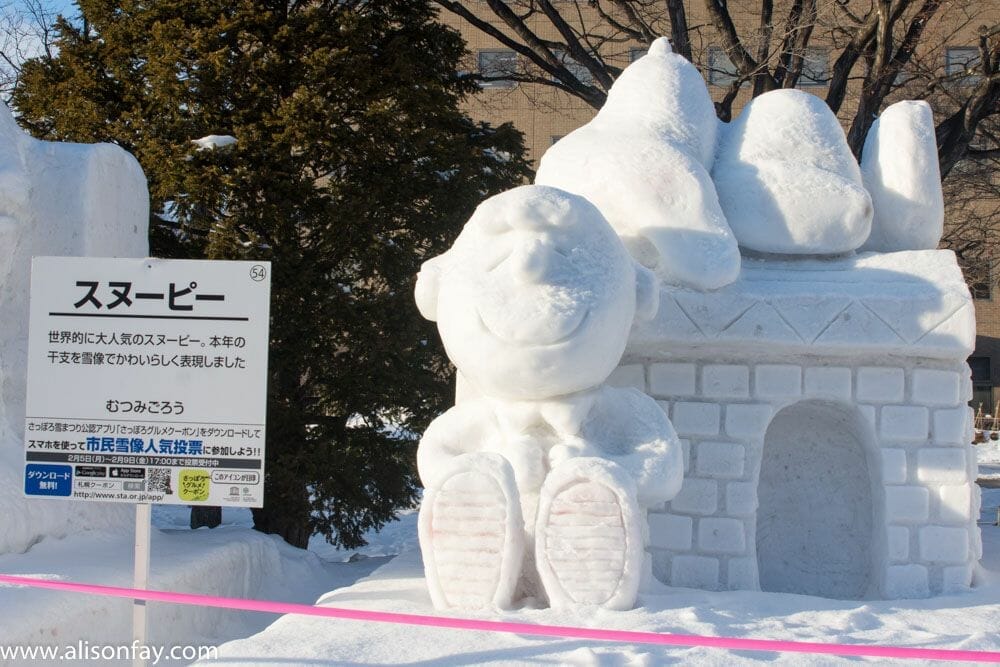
352	164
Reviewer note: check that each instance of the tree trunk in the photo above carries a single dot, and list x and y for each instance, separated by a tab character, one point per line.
205	516
293	529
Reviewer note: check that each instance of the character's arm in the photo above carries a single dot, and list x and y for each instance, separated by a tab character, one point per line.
629	428
458	431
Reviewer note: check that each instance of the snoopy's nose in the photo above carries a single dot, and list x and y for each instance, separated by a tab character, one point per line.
534	261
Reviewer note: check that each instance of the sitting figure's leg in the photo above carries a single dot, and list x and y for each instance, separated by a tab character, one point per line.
588	540
472	534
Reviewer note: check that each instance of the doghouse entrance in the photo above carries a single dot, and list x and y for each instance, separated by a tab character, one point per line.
814	521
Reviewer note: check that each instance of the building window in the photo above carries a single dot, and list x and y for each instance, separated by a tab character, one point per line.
636	52
960	59
582	74
721	70
982	384
980	367
815	67
494	64
555	138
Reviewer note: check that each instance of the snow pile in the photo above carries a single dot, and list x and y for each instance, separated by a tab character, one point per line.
55	199
988	453
644	161
231	561
900	168
214	141
787	180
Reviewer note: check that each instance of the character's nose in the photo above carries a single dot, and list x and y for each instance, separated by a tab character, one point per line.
535	261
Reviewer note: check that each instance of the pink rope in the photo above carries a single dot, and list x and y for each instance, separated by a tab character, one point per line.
624	636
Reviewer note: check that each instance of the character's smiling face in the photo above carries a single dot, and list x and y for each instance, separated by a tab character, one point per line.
536	297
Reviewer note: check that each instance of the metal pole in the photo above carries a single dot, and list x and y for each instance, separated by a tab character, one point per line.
143	524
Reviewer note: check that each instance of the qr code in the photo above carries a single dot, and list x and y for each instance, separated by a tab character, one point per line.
159	480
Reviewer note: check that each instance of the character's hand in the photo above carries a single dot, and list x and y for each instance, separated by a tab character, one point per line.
570	450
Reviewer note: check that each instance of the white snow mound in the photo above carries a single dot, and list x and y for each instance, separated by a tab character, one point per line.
644	161
56	199
787	180
900	169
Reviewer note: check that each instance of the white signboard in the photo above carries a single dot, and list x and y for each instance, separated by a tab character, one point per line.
147	381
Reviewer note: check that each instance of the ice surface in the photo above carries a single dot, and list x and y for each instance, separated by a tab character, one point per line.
55	199
644	161
900	168
787	180
534	303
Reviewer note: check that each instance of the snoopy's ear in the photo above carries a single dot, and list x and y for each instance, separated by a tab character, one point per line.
427	287
647	293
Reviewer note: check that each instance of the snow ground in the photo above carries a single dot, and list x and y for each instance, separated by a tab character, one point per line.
967	621
234	560
988	454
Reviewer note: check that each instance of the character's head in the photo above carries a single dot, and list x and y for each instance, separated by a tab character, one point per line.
537	296
664	92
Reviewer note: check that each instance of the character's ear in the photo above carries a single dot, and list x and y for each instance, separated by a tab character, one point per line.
647	293
427	287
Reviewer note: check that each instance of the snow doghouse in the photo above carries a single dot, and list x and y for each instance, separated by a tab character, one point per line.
821	396
822	410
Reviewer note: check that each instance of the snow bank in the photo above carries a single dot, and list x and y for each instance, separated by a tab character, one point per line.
644	161
229	561
787	180
55	199
988	453
900	168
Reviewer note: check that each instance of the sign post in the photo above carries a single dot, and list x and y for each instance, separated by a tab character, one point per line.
147	384
140	577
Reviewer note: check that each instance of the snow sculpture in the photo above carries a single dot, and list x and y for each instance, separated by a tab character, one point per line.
55	199
787	180
900	168
644	161
538	486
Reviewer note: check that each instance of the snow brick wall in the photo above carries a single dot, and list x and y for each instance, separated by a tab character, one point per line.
822	407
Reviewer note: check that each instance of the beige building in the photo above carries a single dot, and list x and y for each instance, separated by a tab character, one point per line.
950	43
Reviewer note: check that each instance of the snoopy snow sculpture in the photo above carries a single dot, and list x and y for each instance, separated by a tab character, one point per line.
538	487
644	161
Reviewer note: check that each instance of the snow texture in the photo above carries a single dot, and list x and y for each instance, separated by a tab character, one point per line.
214	141
899	164
644	161
231	560
534	303
55	199
787	180
814	452
966	620
813	379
